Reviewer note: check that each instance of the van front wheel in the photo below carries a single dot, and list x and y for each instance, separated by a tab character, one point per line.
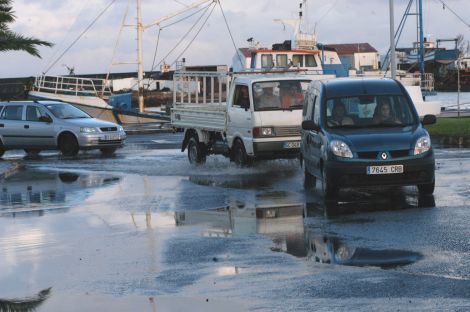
330	190
309	179
426	189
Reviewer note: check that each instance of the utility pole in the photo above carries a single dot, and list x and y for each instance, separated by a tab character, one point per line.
140	69
458	86
421	40
393	63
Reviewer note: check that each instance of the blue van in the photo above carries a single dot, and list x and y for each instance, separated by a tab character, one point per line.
364	132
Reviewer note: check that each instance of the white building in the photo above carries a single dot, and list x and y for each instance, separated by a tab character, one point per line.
357	56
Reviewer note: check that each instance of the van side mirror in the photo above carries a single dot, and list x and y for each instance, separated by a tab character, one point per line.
45	119
429	119
310	125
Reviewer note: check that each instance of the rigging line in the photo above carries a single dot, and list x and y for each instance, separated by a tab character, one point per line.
230	32
81	35
327	12
200	28
85	4
155	54
450	9
184	18
184	37
116	45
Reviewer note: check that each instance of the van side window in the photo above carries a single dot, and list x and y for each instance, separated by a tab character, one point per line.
12	112
316	110
241	97
33	113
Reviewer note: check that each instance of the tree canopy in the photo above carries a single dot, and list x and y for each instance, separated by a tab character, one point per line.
11	41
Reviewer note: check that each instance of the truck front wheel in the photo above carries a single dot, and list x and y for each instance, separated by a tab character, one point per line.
196	153
239	154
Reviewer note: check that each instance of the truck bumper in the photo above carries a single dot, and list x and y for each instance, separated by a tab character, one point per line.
276	149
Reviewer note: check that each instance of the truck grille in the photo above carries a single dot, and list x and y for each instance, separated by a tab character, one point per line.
287	131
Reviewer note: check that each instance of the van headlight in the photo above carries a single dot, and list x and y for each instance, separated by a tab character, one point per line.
88	130
341	149
423	144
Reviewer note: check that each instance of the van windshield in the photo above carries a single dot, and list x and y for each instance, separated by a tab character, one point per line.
66	111
279	95
371	111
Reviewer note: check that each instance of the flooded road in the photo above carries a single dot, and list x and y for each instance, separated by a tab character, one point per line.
145	231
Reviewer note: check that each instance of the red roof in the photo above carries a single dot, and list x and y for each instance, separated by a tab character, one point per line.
352	48
245	51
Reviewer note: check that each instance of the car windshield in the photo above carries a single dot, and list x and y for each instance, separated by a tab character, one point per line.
279	95
66	111
371	111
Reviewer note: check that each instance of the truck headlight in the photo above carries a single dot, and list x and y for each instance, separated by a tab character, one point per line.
88	130
341	149
423	144
263	132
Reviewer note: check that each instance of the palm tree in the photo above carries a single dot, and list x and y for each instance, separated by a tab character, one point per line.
11	41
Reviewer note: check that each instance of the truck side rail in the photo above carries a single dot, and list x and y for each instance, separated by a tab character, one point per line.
200	87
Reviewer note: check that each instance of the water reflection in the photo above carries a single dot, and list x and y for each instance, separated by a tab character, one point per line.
367	200
283	222
35	191
25	304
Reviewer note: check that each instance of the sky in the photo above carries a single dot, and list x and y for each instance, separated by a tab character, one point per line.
334	21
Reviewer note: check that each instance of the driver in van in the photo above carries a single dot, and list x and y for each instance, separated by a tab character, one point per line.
268	99
338	115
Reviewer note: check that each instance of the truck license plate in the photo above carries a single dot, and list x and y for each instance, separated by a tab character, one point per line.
392	169
292	144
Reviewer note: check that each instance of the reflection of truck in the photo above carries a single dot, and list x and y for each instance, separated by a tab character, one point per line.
244	117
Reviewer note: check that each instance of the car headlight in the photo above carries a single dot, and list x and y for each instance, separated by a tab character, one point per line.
341	149
88	130
423	144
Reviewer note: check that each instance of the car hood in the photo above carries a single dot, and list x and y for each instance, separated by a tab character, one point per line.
90	122
373	139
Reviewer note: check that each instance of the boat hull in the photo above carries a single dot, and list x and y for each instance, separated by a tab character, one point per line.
98	108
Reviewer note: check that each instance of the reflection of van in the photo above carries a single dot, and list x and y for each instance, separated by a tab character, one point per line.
365	132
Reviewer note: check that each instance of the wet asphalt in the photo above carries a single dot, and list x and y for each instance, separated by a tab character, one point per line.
145	231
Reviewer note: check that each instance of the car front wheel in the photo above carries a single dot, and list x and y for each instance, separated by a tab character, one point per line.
68	145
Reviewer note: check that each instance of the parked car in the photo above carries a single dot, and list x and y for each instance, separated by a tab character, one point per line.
41	125
364	132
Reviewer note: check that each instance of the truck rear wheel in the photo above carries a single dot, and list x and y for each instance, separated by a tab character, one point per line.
196	153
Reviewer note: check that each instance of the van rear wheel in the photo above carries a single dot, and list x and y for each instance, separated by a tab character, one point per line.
68	145
196	153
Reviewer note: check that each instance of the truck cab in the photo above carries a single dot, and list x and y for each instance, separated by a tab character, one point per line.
260	119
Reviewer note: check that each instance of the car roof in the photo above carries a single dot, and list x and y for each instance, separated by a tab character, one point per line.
43	102
361	86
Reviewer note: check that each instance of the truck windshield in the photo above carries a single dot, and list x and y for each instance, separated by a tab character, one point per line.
279	95
369	111
66	111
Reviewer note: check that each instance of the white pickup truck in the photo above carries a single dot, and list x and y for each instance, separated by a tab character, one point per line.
242	116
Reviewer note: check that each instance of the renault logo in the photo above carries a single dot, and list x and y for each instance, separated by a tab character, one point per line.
384	155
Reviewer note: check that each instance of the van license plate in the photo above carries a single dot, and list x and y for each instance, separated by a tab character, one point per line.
292	144
393	169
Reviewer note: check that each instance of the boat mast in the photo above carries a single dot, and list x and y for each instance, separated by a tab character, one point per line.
421	40
140	66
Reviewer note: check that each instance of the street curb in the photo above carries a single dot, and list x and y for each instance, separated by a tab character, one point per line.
11	170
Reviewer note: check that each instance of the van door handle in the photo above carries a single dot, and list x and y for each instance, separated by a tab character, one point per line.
26	126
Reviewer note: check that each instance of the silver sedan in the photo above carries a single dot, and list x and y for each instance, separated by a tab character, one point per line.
36	126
